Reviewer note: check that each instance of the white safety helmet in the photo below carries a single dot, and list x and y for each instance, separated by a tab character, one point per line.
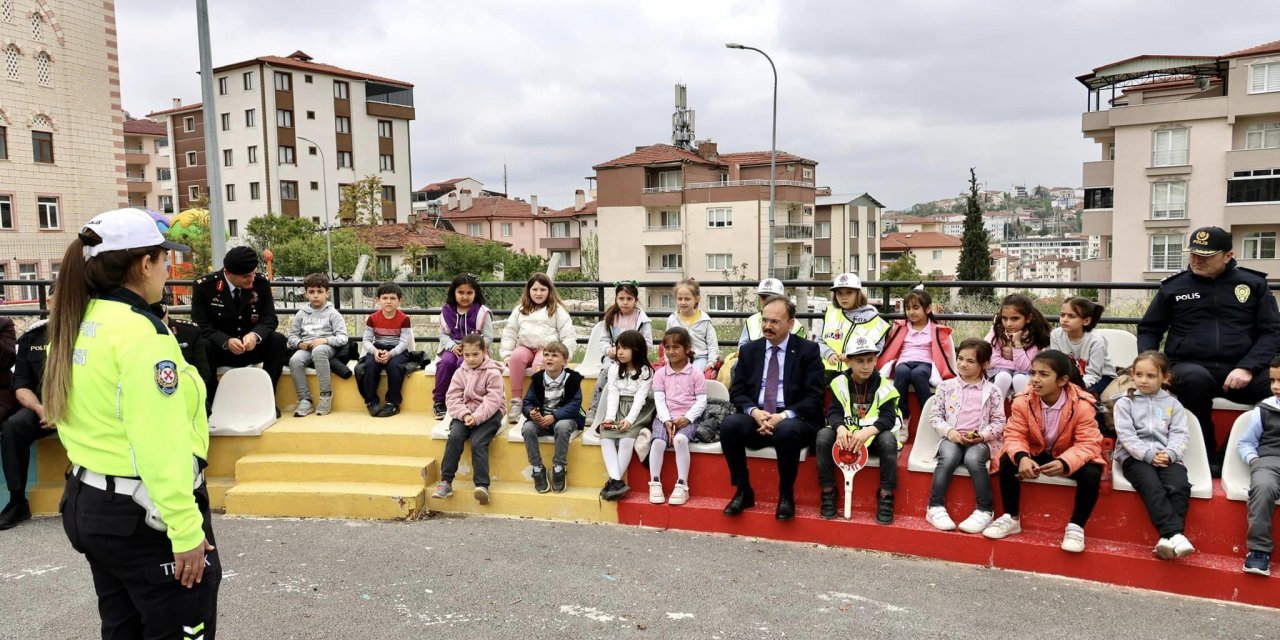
846	281
770	287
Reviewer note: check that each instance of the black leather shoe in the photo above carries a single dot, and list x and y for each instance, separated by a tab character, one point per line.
744	499
15	513
828	505
884	510
786	508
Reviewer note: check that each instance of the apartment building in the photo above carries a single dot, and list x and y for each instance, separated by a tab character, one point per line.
514	222
292	134
148	167
429	200
568	231
62	155
937	254
1183	142
1035	247
702	213
846	235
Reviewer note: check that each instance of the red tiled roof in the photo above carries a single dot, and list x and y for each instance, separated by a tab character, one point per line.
919	240
398	235
655	154
1270	47
751	158
492	207
186	107
589	209
909	219
306	65
145	128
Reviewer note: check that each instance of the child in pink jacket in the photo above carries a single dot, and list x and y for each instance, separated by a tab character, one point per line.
475	402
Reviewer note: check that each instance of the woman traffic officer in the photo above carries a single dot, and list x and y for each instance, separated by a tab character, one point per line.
130	411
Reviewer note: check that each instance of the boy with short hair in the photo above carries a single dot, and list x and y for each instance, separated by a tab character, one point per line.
552	406
387	336
317	332
1259	447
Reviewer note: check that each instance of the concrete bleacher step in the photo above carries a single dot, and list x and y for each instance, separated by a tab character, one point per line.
349	433
367	500
521	500
301	467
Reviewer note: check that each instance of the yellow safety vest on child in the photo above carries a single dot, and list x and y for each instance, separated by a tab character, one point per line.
837	330
855	418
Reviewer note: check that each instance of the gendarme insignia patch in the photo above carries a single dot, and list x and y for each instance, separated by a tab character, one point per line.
167	377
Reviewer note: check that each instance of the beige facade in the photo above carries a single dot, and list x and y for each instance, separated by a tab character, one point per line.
148	166
570	231
847	236
62	154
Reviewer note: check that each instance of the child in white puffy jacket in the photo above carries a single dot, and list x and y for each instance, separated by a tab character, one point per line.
539	320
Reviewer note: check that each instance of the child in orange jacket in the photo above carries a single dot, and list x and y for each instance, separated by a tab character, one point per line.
1052	431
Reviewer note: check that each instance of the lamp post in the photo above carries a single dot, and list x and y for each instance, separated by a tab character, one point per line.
773	149
324	171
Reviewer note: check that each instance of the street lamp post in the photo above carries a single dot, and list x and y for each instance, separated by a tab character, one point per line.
324	171
773	148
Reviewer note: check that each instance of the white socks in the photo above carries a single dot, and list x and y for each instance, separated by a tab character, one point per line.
617	456
656	450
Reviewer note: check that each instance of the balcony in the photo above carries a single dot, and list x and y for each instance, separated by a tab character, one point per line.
136	155
1264	213
1268	266
564	243
663	235
1095	123
792	232
1099	174
747	183
1096	222
787	273
1250	159
138	184
671	196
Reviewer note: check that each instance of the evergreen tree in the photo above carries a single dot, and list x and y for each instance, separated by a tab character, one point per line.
975	254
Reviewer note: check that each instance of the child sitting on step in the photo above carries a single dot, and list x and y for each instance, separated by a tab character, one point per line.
475	401
539	318
1259	447
679	398
917	349
628	408
463	313
552	407
317	332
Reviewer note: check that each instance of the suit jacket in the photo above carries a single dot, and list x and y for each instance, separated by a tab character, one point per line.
802	379
215	311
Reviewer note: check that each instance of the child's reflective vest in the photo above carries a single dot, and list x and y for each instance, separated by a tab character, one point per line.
856	416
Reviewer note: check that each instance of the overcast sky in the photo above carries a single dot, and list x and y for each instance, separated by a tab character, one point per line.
896	99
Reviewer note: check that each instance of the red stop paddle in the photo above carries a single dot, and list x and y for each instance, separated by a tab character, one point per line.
850	462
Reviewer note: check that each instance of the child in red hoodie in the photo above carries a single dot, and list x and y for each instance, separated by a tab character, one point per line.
475	402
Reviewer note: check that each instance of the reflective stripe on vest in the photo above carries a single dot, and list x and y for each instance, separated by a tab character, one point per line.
837	329
886	392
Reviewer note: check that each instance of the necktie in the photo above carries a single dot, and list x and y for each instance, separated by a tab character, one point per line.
235	295
772	373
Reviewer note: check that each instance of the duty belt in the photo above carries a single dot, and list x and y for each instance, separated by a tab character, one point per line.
134	488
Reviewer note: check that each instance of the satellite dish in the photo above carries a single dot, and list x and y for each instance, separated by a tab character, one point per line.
1202	82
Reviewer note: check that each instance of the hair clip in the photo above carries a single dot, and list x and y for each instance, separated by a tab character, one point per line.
619	283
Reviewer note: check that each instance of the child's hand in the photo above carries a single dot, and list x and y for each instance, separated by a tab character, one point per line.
867	434
1006	350
611	352
957	437
671	428
834	359
1015	339
607	424
974	437
626	425
1028	469
546	421
680	423
845	438
1053	469
470	420
457	351
1161	459
535	413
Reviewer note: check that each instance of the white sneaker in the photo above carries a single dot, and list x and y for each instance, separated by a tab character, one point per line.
1003	527
1164	549
325	405
655	493
1182	546
481	494
304	409
939	518
679	494
976	522
513	416
1073	539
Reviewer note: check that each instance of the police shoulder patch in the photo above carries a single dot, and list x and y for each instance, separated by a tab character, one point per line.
167	377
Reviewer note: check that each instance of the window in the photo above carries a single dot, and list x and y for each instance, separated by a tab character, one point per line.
286	156
937	254
42	146
719	261
384	128
189	124
384	264
1099	198
853	263
342	191
1166	252
311	115
48	207
4	143
344	159
1264	77
1262	136
253	154
191	158
668	219
255	191
284	118
288	190
666	301
1261	185
315	186
822	264
6	10
671	261
669	181
388	194
473	229
342	124
250	118
233	228
807	173
231	194
822	230
11	61
853	228
427	263
166	204
226	157
1260	245
222	86
193	192
44	69
558	229
248	80
37	26
387	162
506	230
720	217
163	174
29	271
720	302
341	90
6	212
1169	148
284	81
1168	200
307	78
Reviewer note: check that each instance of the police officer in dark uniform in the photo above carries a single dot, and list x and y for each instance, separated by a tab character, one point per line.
236	313
26	425
1222	329
195	349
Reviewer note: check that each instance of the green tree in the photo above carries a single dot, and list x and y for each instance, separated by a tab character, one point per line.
461	255
308	254
362	201
975	252
591	257
903	269
517	267
201	257
273	231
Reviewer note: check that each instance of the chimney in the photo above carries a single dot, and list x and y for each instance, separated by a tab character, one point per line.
453	200
177	102
465	200
579	200
708	151
413	221
533	205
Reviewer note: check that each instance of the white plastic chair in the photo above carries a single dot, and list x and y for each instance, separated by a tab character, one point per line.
1224	404
245	404
1122	346
1235	473
590	365
1196	459
924	452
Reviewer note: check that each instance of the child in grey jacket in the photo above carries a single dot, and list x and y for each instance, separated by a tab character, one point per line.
317	332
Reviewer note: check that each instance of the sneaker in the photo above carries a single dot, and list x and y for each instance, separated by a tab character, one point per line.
939	518
615	489
604	491
827	508
1003	527
443	490
1182	546
481	494
326	404
440	410
1258	562
540	481
1164	549
1073	539
389	409
513	416
884	508
559	479
656	496
976	522
373	408
15	513
679	494
304	408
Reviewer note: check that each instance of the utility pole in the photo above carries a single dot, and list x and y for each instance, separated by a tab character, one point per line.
217	224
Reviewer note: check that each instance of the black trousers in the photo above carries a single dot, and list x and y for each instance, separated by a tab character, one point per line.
372	371
132	566
17	433
1165	490
738	433
270	353
1197	383
1088	479
884	446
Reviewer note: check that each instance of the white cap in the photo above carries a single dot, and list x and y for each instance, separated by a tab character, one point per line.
846	281
126	229
860	345
770	286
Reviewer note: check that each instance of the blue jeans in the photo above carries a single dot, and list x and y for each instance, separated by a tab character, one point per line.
912	374
974	457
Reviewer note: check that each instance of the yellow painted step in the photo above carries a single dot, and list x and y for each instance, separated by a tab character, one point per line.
301	467
520	499
52	463
508	461
45	496
349	433
367	500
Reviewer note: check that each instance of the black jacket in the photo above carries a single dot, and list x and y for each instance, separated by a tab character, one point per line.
570	403
32	345
1230	320
802	379
194	347
214	309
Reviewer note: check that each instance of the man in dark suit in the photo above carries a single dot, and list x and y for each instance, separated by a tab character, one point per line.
237	316
778	390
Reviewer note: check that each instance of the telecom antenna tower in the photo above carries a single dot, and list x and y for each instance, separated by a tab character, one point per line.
682	121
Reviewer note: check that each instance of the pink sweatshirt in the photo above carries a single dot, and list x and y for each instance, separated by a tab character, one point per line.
1021	362
476	392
